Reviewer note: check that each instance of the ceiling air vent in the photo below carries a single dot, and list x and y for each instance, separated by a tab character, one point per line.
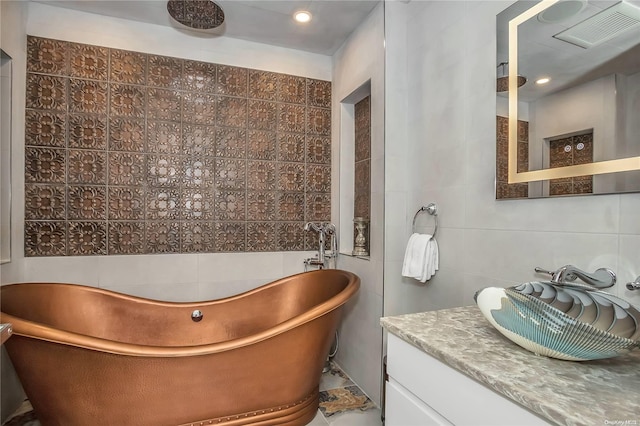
602	26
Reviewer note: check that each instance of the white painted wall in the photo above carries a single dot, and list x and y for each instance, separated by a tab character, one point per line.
13	40
631	90
13	18
440	147
5	156
502	108
70	25
359	60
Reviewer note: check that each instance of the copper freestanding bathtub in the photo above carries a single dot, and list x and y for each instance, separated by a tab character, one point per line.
87	356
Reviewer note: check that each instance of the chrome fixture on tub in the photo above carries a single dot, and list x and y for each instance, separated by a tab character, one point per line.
601	278
634	285
197	315
322	258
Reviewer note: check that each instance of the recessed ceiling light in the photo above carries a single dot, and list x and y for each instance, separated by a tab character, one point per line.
302	16
544	80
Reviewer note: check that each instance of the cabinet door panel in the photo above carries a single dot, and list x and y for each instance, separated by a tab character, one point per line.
404	409
455	396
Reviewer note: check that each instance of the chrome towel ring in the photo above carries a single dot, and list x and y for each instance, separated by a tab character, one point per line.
432	209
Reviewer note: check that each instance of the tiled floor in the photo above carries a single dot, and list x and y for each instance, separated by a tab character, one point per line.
342	403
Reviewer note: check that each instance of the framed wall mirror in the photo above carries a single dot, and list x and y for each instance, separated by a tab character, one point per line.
568	100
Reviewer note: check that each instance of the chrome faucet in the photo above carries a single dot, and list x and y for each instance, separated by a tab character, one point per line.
635	285
323	230
601	278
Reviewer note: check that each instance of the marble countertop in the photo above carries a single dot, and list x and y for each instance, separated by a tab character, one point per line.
602	392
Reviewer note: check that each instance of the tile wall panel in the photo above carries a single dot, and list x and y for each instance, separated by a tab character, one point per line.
133	153
504	189
362	206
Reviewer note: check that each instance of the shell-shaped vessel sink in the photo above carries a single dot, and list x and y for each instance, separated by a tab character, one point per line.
566	321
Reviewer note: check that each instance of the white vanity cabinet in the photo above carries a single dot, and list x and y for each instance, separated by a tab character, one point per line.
451	366
423	391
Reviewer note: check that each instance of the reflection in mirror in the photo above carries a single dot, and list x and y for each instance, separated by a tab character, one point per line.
5	157
576	120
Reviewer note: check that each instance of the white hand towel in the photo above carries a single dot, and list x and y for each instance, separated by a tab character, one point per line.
420	257
431	260
413	255
427	269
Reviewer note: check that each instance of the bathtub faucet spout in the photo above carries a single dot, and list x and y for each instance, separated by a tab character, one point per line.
323	230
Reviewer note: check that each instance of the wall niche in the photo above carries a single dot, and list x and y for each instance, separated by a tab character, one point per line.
355	172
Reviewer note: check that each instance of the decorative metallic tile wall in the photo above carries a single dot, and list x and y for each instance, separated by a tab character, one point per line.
503	188
362	203
131	153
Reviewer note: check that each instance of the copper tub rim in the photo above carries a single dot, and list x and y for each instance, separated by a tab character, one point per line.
53	335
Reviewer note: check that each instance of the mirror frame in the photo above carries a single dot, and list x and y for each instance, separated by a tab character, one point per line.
595	168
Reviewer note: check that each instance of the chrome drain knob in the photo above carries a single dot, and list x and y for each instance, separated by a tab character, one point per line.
196	315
